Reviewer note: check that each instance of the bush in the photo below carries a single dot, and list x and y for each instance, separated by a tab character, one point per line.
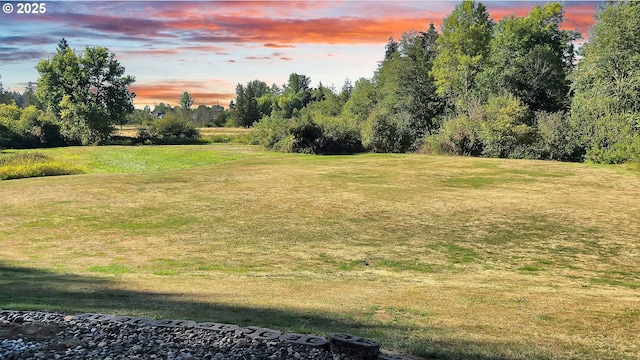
385	132
271	132
436	144
145	135
556	137
458	136
173	127
28	128
303	135
288	135
340	135
506	130
612	138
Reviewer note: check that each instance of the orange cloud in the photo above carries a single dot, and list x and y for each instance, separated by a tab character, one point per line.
278	46
577	16
169	93
286	32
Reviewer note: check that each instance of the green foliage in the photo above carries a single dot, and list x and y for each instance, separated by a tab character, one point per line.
270	132
531	58
173	127
246	107
87	94
32	164
28	128
614	139
387	132
205	116
304	135
463	47
459	135
500	128
186	101
423	104
400	106
362	100
506	127
557	138
339	135
298	83
606	106
140	116
289	135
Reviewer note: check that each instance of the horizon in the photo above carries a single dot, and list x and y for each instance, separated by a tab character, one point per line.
207	47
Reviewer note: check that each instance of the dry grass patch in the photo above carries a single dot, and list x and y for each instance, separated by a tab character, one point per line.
213	134
434	256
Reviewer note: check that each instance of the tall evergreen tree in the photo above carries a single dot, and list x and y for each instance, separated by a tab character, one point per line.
424	104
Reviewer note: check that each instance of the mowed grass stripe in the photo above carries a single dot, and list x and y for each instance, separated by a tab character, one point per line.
147	159
538	262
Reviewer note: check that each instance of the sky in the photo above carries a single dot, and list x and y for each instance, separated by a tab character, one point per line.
207	47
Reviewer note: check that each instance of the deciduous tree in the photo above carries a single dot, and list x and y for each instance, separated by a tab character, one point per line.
87	94
463	47
531	58
606	106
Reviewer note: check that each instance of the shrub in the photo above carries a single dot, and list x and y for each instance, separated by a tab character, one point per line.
173	127
386	132
270	132
28	128
436	144
340	134
506	129
612	138
145	134
458	136
303	135
556	137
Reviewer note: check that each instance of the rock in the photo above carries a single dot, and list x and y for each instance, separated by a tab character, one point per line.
354	347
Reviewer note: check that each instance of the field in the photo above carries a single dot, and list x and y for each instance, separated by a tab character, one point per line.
435	257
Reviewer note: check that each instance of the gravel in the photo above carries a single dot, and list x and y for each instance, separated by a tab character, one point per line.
41	335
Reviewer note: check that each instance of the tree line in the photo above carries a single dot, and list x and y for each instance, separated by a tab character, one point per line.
515	88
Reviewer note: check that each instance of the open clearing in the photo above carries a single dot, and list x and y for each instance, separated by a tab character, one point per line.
443	257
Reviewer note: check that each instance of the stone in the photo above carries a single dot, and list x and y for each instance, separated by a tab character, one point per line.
262	334
354	347
306	340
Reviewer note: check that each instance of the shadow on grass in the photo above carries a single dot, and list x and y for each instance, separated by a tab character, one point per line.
24	288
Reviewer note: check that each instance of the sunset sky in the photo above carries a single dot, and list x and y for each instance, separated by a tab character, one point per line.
207	47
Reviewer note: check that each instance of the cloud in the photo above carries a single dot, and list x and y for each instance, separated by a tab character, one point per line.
274	56
169	92
16	55
577	15
278	24
172	51
278	46
27	40
287	32
267	24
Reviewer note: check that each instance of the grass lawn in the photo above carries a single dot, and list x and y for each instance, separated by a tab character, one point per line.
435	257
